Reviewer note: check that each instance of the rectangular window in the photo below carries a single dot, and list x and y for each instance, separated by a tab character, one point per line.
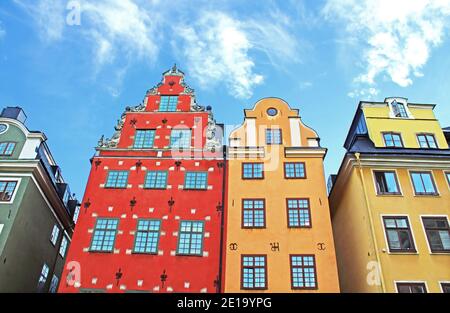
294	170
196	180
147	236
398	234
156	180
423	183
104	235
63	247
411	288
254	272
427	141
299	215
445	287
7	148
253	213
54	284
144	138
438	233
401	111
387	183
303	272
43	277
448	178
190	238
393	140
180	138
252	170
7	190
273	137
117	179
168	104
55	234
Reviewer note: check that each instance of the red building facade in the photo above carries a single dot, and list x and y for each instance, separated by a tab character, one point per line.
152	212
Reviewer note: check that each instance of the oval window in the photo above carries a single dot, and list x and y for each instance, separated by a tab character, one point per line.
3	128
272	112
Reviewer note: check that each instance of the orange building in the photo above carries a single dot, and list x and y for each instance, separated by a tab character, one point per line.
278	227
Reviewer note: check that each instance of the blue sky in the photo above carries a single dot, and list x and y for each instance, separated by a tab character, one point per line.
75	65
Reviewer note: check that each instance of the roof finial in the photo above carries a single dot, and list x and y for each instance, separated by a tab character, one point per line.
174	68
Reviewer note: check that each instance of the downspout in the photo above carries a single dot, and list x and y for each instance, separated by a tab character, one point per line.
369	213
222	222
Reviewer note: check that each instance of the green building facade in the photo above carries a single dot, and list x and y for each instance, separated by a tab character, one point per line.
36	209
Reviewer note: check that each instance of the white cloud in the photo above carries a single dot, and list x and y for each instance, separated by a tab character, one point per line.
121	27
396	36
48	15
219	48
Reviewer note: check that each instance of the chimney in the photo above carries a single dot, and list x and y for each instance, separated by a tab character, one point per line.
15	113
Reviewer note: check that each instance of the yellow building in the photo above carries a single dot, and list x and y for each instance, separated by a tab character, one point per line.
278	226
390	201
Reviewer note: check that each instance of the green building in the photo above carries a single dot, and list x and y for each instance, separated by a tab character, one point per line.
36	209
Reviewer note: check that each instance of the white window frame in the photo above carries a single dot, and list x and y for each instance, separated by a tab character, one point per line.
53	240
13	196
443	282
411	282
64	239
388	249
397	177
405	104
425	231
438	194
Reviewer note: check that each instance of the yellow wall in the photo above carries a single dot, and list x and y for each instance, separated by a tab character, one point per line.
424	121
275	190
357	210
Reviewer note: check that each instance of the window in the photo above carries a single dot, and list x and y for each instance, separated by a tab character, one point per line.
144	139
448	178
55	234
411	288
156	180
273	136
196	180
298	213
427	141
294	170
104	235
303	272
117	179
43	277
252	170
386	183
423	183
147	236
7	148
393	140
7	190
54	284
190	240
272	111
253	213
438	233
445	287
399	109
168	104
63	247
180	138
398	234
254	272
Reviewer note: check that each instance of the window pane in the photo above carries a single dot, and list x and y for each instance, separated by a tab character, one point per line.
394	240
428	183
417	181
431	141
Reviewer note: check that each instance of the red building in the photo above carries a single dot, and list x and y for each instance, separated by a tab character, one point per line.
151	216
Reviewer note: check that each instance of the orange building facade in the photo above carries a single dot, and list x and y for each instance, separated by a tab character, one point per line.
278	227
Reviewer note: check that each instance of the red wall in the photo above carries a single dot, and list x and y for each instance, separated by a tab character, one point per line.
184	273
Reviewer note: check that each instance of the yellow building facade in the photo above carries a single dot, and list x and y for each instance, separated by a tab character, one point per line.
278	226
390	202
